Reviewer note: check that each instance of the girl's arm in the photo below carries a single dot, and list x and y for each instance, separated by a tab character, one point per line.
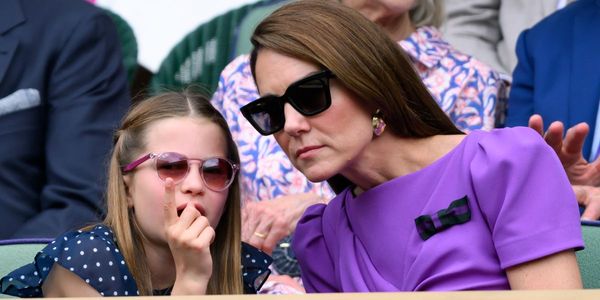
556	271
64	283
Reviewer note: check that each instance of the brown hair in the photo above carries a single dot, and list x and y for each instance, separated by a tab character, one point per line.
335	37
363	58
129	143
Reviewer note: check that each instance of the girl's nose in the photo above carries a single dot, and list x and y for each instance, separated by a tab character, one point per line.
193	182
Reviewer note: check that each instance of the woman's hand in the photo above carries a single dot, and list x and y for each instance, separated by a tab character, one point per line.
189	237
266	222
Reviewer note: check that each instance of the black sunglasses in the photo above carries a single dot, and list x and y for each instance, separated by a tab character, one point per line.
309	96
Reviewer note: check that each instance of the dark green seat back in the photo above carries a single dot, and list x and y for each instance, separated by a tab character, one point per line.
589	258
17	253
201	55
248	24
129	47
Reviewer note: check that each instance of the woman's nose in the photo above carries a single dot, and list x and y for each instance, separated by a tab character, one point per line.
295	122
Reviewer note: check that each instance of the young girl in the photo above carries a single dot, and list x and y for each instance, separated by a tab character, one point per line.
173	221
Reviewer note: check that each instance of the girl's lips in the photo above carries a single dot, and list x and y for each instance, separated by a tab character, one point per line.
307	149
197	205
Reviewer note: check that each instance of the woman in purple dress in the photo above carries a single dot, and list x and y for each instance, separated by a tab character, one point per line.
421	206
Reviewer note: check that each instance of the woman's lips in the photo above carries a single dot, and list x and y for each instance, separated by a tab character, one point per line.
306	151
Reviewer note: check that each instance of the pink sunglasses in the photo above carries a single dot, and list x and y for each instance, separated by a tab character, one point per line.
217	173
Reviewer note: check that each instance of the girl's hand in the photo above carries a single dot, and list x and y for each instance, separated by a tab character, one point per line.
189	237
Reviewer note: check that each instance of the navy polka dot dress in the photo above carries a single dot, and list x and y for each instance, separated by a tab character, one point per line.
94	257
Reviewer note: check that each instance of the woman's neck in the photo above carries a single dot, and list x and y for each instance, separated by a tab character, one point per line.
388	157
397	28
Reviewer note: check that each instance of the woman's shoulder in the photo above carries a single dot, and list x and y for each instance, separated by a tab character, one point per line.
511	151
318	221
313	244
510	139
317	215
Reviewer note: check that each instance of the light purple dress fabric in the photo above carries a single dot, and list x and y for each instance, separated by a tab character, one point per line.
522	208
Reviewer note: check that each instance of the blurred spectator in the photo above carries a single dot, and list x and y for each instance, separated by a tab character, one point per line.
62	92
558	78
488	29
558	74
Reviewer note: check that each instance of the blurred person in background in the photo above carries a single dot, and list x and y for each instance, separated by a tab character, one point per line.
63	91
556	85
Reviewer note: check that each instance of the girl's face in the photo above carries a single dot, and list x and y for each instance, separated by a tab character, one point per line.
195	138
327	143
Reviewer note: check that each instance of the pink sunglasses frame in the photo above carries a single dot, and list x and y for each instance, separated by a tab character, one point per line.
234	167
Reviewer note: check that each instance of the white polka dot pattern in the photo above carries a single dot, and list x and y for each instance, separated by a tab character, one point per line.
78	252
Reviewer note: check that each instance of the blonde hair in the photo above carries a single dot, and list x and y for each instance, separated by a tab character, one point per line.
129	142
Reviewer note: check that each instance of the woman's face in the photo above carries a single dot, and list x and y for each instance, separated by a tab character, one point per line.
195	138
322	145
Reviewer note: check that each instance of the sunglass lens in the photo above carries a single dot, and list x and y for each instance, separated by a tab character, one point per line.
171	165
268	115
217	173
310	97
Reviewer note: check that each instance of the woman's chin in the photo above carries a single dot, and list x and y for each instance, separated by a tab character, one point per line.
317	175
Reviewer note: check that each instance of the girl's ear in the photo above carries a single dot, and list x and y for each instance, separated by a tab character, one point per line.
127	179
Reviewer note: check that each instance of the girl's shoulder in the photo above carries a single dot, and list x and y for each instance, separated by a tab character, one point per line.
91	254
85	238
255	268
91	244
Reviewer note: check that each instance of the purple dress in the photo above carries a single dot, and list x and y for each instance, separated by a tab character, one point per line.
497	200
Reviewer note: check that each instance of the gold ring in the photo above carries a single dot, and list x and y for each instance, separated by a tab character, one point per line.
260	235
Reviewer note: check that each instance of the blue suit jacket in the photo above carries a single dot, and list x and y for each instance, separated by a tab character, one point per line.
62	92
558	73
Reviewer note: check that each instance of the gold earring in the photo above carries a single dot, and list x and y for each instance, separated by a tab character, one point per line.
378	124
